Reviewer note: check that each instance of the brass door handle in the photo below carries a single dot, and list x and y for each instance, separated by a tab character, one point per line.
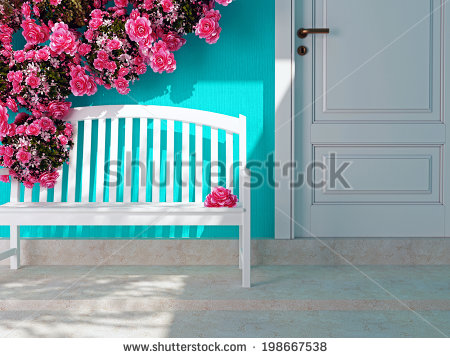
302	33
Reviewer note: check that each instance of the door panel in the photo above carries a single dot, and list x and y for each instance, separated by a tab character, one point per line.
381	175
381	59
371	94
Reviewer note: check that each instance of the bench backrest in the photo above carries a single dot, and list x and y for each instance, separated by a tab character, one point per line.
139	153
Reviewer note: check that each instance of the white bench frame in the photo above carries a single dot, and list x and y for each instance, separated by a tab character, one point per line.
75	212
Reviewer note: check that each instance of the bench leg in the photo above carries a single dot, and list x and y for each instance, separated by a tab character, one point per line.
15	244
240	247
246	254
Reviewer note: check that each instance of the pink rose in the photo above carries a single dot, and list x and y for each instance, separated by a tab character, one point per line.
173	41
99	64
68	130
26	10
30	55
63	40
205	28
33	33
103	55
55	2
123	72
208	27
11	104
21	129
221	197
167	5
4	178
48	180
84	49
77	71
3	114
79	85
97	14
89	35
28	184
114	44
9	151
224	2
163	61
121	3
33	81
138	29
7	161
33	129
58	110
19	56
214	37
63	139
122	85
141	69
23	156
11	130
111	66
45	123
43	54
95	23
18	76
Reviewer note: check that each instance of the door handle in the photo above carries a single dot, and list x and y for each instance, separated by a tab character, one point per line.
302	33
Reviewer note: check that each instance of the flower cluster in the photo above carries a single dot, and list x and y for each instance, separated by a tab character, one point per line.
74	13
113	46
221	197
10	13
39	80
34	148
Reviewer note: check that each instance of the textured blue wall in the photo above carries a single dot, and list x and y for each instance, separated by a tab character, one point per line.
235	76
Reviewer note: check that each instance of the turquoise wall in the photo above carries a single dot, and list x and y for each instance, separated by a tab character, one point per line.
234	76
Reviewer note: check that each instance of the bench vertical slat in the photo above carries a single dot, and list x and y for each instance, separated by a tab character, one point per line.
100	179
214	165
15	191
143	125
42	198
198	163
86	167
28	195
185	155
229	161
128	159
170	161
71	188
57	190
156	159
114	157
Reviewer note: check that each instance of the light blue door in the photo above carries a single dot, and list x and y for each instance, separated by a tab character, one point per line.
371	96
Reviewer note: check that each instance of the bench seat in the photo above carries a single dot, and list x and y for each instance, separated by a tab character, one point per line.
118	214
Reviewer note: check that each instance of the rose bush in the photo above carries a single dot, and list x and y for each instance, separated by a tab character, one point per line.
72	47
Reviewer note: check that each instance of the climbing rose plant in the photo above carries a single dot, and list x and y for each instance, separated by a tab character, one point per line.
73	47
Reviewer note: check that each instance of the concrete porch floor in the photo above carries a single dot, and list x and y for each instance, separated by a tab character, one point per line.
207	301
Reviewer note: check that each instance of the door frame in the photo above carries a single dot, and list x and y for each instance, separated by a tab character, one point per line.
284	110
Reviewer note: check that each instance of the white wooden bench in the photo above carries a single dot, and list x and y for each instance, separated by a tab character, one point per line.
86	196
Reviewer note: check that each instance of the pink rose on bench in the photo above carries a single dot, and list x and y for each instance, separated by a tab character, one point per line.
221	197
